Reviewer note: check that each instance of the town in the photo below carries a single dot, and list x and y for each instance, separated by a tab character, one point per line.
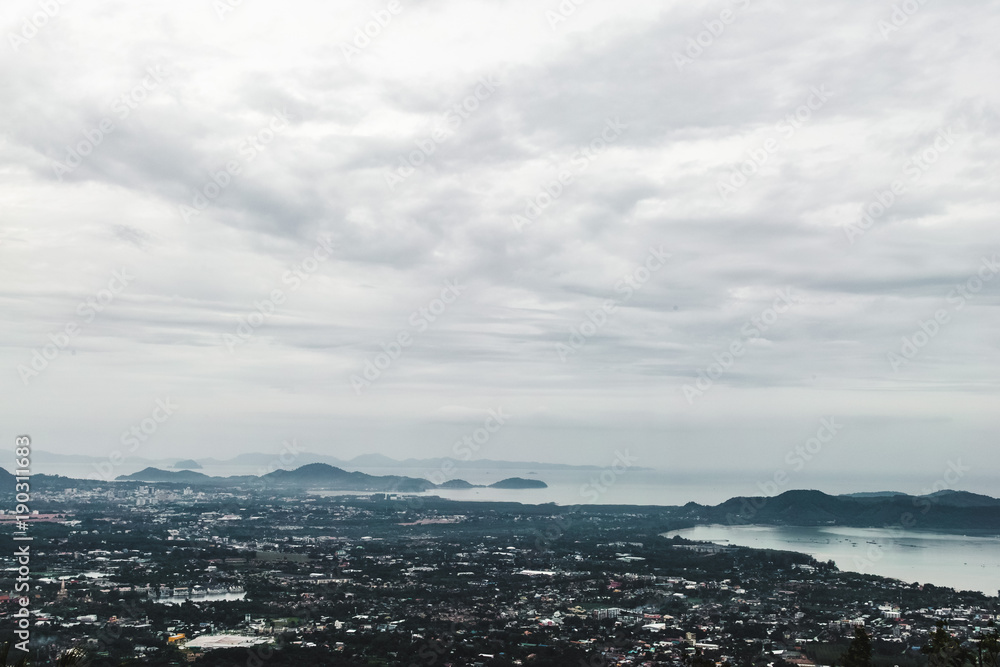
171	575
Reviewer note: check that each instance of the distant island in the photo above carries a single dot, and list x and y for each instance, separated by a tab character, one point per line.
457	484
188	464
509	483
519	483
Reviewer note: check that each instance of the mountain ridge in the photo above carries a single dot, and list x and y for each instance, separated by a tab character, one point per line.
948	509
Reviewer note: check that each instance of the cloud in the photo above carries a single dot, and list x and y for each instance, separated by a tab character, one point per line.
192	98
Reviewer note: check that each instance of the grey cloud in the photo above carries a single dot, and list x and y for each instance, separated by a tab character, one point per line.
654	185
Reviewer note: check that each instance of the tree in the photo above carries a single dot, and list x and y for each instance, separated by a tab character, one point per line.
699	660
5	653
72	658
988	649
859	653
943	650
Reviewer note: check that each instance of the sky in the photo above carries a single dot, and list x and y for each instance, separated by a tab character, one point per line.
691	232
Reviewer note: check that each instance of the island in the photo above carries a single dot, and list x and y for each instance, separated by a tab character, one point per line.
519	483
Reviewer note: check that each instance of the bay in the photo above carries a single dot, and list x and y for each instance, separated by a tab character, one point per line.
963	562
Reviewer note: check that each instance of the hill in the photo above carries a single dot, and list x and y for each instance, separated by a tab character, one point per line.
326	476
519	483
872	494
457	484
951	498
946	510
158	475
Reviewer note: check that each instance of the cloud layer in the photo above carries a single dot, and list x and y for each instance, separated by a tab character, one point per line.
618	196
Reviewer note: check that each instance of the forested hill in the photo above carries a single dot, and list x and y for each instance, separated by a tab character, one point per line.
949	510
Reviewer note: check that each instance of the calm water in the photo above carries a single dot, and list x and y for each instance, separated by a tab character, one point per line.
962	562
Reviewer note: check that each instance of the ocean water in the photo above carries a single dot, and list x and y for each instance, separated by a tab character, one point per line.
578	487
959	561
629	486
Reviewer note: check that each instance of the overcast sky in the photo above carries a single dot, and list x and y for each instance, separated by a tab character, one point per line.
567	213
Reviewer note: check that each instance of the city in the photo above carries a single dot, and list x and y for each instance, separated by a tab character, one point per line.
170	574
